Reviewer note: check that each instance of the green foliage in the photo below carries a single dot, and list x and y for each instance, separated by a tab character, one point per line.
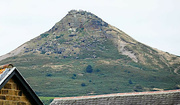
46	100
67	78
60	36
79	29
62	40
130	82
48	75
44	35
89	69
57	37
97	70
74	76
43	52
138	88
83	84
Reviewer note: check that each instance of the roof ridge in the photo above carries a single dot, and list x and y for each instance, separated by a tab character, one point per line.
118	94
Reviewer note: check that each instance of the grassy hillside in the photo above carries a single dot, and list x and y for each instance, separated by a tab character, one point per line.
46	100
53	77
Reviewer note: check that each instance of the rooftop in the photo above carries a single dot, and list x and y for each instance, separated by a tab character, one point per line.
118	94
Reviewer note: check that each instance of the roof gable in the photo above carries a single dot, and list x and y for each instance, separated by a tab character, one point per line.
10	73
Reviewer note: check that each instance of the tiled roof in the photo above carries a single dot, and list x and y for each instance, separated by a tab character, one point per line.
118	94
3	67
170	97
6	66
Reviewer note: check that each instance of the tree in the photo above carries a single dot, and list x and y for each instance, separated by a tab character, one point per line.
138	88
83	84
89	69
130	82
48	75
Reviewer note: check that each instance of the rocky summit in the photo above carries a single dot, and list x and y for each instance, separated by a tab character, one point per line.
83	55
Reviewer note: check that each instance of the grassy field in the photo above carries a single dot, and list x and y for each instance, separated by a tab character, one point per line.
46	100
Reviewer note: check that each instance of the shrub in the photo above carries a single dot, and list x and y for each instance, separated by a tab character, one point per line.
130	82
44	35
83	84
62	40
74	75
89	69
48	75
138	88
98	70
43	52
57	37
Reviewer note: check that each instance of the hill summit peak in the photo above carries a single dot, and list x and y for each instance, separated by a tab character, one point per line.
80	18
77	11
81	12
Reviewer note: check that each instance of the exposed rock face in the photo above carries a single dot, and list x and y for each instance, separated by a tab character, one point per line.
14	52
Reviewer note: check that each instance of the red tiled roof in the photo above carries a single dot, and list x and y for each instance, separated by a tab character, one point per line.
3	67
6	66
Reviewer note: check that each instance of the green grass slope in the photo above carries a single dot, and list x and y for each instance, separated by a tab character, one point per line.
53	77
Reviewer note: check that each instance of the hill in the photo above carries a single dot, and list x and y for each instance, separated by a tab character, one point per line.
83	55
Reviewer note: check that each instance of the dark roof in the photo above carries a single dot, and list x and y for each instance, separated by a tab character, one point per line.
168	97
7	72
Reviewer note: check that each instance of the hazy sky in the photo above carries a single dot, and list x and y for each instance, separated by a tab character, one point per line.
153	22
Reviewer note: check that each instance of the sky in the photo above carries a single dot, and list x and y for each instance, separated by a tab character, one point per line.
155	23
